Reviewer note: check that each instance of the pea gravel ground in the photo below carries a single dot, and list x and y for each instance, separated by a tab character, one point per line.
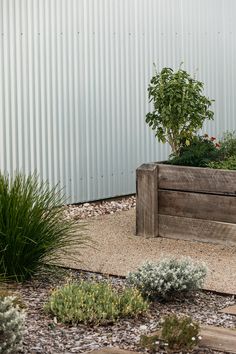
116	250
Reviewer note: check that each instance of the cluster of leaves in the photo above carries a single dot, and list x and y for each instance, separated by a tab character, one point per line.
227	164
94	303
168	277
12	320
32	226
199	153
181	333
180	108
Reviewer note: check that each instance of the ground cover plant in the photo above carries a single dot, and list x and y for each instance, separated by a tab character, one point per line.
90	302
227	164
168	277
228	144
32	226
180	332
176	333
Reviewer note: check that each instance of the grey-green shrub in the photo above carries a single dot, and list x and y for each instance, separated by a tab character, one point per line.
33	228
168	277
94	303
11	325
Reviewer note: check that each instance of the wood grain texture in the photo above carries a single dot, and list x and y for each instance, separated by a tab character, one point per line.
197	205
147	200
197	230
230	310
217	338
196	179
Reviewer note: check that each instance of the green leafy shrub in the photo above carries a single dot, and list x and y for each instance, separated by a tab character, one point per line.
94	303
180	108
199	153
11	325
228	164
180	333
228	145
32	226
168	277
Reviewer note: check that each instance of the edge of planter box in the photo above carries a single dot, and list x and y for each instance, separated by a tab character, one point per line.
161	208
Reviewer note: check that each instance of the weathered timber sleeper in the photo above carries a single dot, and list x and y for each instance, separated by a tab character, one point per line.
189	203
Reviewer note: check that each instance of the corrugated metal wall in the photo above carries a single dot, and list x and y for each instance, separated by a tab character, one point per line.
73	81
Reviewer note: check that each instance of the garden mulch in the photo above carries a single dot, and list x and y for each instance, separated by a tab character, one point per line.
116	250
45	335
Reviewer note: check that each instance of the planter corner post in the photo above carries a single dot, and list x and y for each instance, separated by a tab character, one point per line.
147	200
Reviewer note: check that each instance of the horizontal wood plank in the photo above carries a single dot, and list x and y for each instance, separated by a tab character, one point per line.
197	230
218	338
196	179
197	205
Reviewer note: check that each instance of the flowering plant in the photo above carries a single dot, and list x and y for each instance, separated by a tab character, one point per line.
180	332
212	139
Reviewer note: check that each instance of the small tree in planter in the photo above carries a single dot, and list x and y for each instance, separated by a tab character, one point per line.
180	108
180	199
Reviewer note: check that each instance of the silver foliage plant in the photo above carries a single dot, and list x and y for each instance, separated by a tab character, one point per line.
12	321
168	277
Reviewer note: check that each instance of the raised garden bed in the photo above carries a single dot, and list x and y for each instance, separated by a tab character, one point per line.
189	203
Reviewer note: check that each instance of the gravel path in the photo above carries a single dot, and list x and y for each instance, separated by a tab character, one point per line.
48	337
117	250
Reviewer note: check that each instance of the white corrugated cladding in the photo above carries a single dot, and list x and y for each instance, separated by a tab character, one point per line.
74	77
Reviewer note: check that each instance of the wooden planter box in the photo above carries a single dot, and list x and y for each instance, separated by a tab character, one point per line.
188	203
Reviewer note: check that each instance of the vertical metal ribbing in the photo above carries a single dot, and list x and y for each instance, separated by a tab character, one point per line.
74	76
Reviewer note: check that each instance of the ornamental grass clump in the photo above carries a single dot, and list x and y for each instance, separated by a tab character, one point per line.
168	277
33	229
94	303
12	329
